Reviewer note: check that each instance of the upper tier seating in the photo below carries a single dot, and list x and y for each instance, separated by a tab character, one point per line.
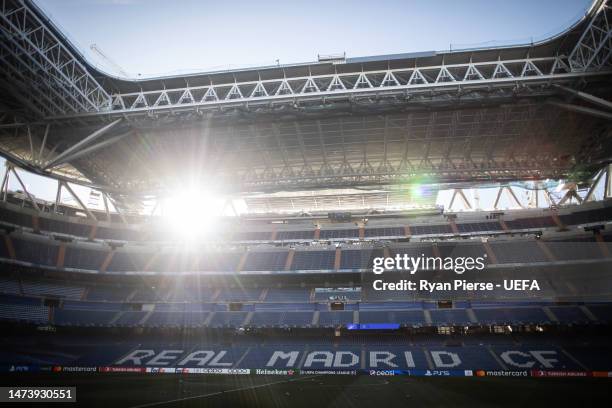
337	295
531	223
281	319
84	228
339	233
265	261
84	258
50	289
130	318
384	232
9	286
109	293
333	319
479	227
303	260
518	252
287	295
41	252
21	312
228	319
295	235
296	314
83	318
517	315
359	259
239	294
431	229
405	317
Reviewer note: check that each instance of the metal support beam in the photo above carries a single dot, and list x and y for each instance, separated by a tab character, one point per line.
591	194
534	198
583	109
504	74
106	210
89	150
82	143
571	193
549	199
459	192
5	180
31	141
586	96
593	49
497	198
78	200
44	142
25	190
513	195
58	196
56	73
119	213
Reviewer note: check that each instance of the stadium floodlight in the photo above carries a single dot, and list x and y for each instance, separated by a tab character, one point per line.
191	213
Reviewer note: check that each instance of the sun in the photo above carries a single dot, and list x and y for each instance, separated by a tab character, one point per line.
191	214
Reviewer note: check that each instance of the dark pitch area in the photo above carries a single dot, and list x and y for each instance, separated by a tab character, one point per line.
132	390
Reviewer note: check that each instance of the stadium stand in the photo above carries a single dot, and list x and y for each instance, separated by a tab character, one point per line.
338	181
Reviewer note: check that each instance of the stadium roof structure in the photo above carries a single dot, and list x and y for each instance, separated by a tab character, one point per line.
527	112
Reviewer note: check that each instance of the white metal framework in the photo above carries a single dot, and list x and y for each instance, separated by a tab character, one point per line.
539	194
593	50
44	72
402	82
488	115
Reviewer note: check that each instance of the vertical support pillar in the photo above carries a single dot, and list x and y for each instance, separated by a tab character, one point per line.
490	253
453	226
337	258
289	260
61	255
436	250
544	248
386	252
92	232
9	246
35	223
603	247
557	220
107	260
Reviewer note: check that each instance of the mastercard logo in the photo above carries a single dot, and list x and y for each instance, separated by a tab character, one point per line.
480	373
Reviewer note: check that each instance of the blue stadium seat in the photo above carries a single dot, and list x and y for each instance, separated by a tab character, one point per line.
308	260
332	319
